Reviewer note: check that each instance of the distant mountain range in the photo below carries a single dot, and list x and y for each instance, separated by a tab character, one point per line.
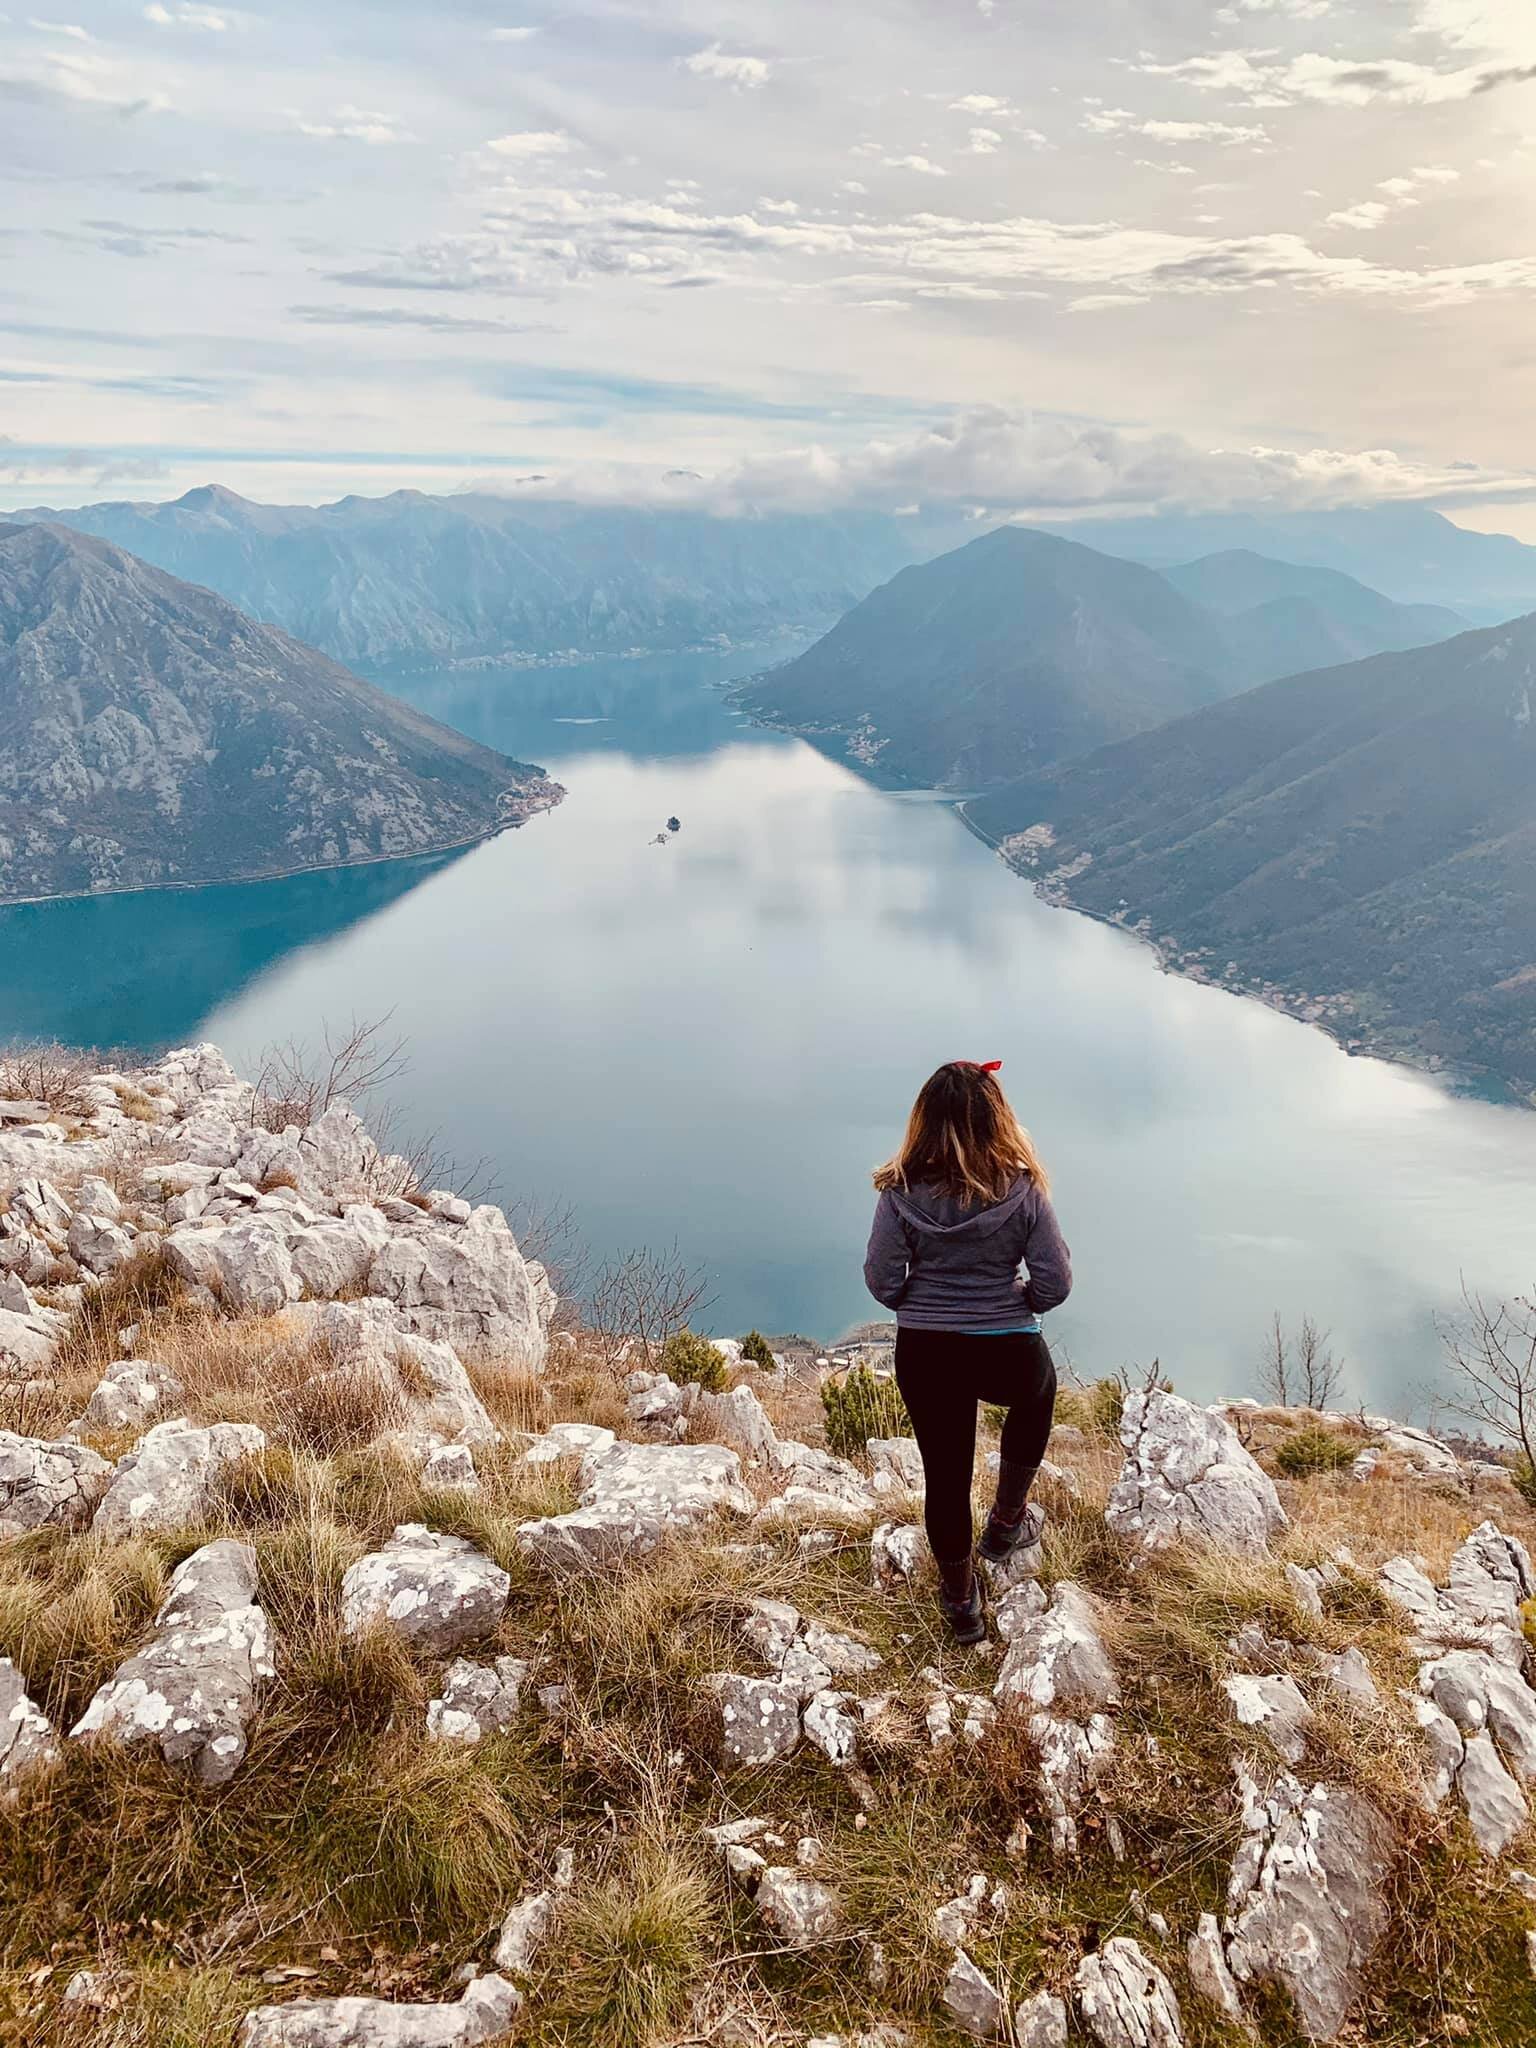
1358	843
1407	552
1023	648
414	581
151	734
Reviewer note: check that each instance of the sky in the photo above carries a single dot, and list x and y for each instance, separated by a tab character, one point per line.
1001	253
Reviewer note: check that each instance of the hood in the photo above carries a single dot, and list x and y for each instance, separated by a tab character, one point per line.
939	1215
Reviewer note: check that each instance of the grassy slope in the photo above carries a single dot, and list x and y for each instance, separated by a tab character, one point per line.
350	1849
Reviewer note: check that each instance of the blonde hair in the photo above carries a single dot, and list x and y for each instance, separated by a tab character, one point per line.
963	1139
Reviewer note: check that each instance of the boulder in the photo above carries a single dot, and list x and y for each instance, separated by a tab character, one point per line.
332	1258
37	1206
26	1257
96	1197
30	1339
896	1553
437	1592
338	1161
896	1464
736	1417
1483	1695
133	1394
632	1497
48	1483
1490	1577
1072	1756
1307	1896
450	1468
524	1931
245	1266
1125	1999
167	1480
191	1690
759	1717
799	1909
1275	1706
98	1244
426	1382
487	2009
1209	1977
467	1285
477	1699
1187	1478
972	2000
1059	1660
1040	2022
1496	1807
568	1440
27	1741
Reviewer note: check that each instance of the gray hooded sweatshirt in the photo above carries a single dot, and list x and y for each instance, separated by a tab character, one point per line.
943	1265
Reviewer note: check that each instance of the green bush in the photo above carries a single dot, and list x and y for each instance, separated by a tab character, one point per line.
860	1405
1315	1449
687	1357
754	1350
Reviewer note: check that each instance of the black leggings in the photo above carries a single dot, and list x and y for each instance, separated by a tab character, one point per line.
942	1377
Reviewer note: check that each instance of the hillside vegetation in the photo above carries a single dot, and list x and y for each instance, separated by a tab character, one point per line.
391	1659
152	734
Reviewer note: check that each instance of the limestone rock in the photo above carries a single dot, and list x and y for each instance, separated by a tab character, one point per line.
800	1909
972	2000
1059	1660
98	1244
27	1740
1072	1755
759	1717
191	1690
569	1440
451	1468
1490	1576
1496	1807
166	1481
632	1496
895	1553
30	1339
488	2008
896	1463
1208	1973
1187	1478
37	1205
96	1197
477	1699
1274	1705
426	1380
1040	2022
524	1931
831	1727
438	1592
1307	1895
1482	1694
134	1393
48	1483
1125	1999
467	1285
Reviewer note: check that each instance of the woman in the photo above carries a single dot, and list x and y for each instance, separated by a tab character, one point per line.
963	1205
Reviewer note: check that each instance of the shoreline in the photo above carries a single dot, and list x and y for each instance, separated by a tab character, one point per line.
1451	1077
325	867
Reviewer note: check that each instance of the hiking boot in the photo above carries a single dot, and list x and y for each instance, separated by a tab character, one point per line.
960	1599
1001	1539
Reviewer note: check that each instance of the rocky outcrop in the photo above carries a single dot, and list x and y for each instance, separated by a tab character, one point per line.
1187	1479
46	1484
1307	1895
436	1592
192	1689
27	1741
632	1497
167	1480
1125	2000
488	2007
1059	1674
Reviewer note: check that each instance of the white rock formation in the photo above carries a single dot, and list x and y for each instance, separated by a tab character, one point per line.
1125	2000
759	1717
896	1553
1209	1976
1276	1706
167	1480
1187	1478
1306	1899
524	1931
426	1382
1058	1672
133	1393
48	1483
437	1592
1040	2022
972	2000
27	1741
632	1497
487	2009
192	1688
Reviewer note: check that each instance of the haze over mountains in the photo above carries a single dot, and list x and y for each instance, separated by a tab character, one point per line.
410	580
150	734
1366	833
1023	648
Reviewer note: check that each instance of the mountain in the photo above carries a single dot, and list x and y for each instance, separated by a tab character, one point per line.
1014	651
410	580
1359	843
1283	617
1407	552
1024	648
150	733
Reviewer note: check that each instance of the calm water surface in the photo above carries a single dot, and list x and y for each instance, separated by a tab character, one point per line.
712	1041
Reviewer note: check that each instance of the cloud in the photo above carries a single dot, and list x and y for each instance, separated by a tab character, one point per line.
1265	81
82	78
984	141
1295	10
354	124
411	316
181	14
744	73
1120	121
513	35
531	144
70	29
1400	192
1008	463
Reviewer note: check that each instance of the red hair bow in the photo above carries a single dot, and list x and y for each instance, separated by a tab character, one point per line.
982	1066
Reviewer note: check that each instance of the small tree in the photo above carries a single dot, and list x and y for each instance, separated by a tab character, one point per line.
638	1300
859	1405
1275	1364
689	1358
755	1351
1311	1374
1492	1353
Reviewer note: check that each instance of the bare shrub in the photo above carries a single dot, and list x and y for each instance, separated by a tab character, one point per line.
1310	1374
47	1072
297	1083
639	1300
1492	1353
